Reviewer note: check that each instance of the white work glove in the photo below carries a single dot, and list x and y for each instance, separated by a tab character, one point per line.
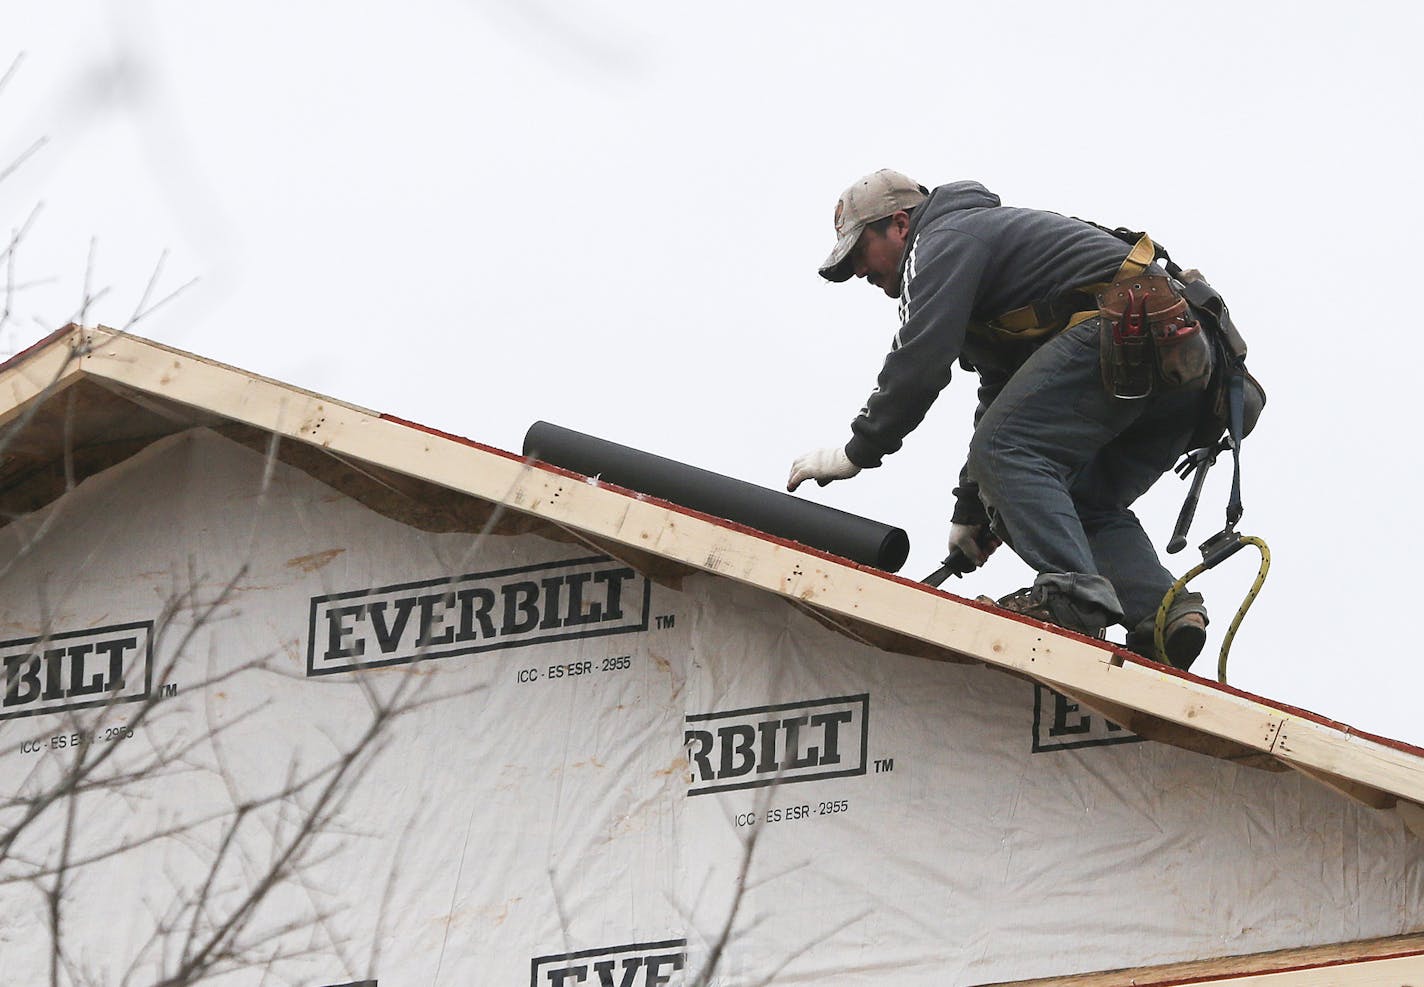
823	466
974	540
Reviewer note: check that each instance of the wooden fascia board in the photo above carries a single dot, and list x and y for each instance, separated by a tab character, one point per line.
1377	963
1370	795
779	567
26	383
1392	972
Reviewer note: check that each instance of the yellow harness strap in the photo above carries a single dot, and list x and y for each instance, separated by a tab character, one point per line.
1026	322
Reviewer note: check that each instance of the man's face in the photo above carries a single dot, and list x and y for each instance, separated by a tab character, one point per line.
876	256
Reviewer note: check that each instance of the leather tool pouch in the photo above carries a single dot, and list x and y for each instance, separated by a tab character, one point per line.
1149	339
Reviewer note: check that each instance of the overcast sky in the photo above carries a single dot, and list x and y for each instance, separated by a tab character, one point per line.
609	215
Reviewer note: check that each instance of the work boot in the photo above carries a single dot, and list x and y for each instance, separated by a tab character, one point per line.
1184	635
1055	607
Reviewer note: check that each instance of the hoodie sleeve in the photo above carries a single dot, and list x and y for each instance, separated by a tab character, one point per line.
941	279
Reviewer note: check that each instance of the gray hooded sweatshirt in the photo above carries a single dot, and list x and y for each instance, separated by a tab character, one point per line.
968	258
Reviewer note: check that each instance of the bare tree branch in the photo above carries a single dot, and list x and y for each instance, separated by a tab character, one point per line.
24	156
142	310
10	72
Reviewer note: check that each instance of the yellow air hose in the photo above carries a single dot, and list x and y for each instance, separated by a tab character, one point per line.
1218	549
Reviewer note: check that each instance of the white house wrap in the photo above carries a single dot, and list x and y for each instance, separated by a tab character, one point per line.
616	769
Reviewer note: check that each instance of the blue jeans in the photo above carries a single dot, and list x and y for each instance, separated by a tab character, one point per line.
1059	463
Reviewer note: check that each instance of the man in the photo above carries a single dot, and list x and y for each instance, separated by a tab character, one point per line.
1056	460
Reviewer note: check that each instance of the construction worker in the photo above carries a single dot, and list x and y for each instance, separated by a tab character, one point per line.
1068	433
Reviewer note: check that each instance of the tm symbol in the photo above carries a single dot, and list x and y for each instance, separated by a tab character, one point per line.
665	621
883	764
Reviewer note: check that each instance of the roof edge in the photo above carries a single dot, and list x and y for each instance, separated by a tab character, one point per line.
787	569
41	370
38	344
1360	962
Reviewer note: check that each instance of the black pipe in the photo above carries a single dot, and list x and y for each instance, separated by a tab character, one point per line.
856	538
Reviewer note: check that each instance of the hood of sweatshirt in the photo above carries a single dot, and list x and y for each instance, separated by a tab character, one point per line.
954	197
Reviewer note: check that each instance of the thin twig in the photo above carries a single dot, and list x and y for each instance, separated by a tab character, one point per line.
148	288
24	156
88	298
10	72
16	235
140	314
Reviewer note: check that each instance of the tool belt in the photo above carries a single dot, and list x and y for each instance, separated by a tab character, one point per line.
1040	320
1149	340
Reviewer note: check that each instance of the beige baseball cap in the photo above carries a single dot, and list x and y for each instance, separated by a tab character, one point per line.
873	197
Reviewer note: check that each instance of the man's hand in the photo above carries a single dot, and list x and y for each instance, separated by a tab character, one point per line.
823	466
975	541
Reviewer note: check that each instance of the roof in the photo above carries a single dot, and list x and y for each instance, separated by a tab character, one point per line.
83	400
